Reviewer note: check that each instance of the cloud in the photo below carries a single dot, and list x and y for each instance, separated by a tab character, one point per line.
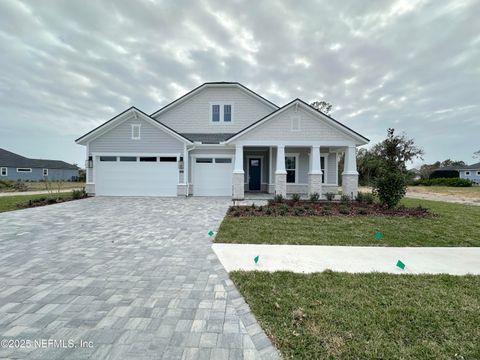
68	66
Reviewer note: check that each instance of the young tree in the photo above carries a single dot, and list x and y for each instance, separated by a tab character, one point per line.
476	154
323	106
394	152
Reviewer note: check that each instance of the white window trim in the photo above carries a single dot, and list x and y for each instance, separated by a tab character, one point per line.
27	170
467	173
4	169
45	172
222	108
139	127
297	156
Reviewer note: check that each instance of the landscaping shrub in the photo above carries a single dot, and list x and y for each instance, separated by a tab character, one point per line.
278	198
295	197
366	198
345	199
315	196
326	211
390	186
330	196
344	210
268	211
79	194
362	211
297	211
453	182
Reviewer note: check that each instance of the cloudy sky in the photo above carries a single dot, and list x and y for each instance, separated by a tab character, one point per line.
67	66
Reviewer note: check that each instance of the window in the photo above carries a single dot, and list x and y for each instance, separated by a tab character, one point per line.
223	161
136	131
291	167
227	113
45	172
221	112
478	172
128	158
204	160
3	171
467	173
168	158
295	123
108	158
24	170
148	159
322	167
216	113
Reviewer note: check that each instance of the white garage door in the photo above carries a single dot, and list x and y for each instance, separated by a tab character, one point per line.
136	175
212	176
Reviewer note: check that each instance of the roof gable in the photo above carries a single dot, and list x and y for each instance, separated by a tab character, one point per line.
314	123
122	117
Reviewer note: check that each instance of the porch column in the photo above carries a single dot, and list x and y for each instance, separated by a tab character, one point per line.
315	173
238	174
350	173
280	172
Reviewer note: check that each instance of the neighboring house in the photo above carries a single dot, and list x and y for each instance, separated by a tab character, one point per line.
17	167
469	172
220	139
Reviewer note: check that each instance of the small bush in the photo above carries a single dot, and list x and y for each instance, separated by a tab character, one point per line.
314	197
268	211
390	186
344	210
453	182
79	194
366	198
345	199
326	211
296	197
362	211
297	211
278	198
330	196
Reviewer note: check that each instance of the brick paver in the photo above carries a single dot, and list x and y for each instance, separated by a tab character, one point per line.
136	277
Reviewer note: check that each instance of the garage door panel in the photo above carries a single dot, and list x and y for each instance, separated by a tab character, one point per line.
213	179
117	178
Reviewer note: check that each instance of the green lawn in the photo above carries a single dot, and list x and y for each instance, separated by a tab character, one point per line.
9	203
366	316
456	225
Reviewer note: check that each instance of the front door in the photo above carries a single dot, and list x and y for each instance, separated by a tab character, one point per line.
254	168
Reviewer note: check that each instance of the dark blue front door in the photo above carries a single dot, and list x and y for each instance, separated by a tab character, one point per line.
254	166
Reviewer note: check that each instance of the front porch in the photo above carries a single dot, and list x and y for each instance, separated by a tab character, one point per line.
264	171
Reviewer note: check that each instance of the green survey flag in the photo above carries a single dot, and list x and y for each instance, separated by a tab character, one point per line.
400	265
256	259
210	233
378	235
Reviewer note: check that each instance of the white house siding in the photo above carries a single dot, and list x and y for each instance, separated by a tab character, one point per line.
474	175
152	140
193	115
279	128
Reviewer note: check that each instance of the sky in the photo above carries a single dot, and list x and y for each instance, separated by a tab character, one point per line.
68	66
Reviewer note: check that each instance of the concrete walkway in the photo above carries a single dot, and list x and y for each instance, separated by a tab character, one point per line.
352	259
39	192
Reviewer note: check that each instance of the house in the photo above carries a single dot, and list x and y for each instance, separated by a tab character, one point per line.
220	139
471	173
17	167
468	172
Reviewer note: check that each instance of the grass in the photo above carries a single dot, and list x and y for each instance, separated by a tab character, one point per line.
9	203
366	316
455	225
40	186
464	192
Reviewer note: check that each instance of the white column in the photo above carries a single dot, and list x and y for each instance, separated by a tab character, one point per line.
280	172
238	159
280	160
350	165
315	173
316	167
186	170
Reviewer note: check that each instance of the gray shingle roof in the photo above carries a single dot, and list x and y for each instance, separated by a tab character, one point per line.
474	166
9	159
208	138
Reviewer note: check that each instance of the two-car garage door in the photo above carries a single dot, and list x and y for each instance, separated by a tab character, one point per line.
136	175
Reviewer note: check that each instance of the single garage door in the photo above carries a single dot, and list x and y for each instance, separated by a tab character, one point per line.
136	175
212	176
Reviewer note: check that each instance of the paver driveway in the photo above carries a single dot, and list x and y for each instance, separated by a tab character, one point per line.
136	277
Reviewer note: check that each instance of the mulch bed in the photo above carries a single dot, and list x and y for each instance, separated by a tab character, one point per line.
326	208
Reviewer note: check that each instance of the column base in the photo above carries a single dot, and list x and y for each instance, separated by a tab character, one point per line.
281	184
238	185
350	185
314	183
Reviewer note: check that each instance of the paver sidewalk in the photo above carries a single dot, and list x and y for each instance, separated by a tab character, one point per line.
135	276
352	259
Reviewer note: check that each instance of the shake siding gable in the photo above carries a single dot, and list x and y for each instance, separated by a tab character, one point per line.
279	128
193	115
152	140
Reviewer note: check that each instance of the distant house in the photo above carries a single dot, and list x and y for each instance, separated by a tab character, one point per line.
17	167
469	172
